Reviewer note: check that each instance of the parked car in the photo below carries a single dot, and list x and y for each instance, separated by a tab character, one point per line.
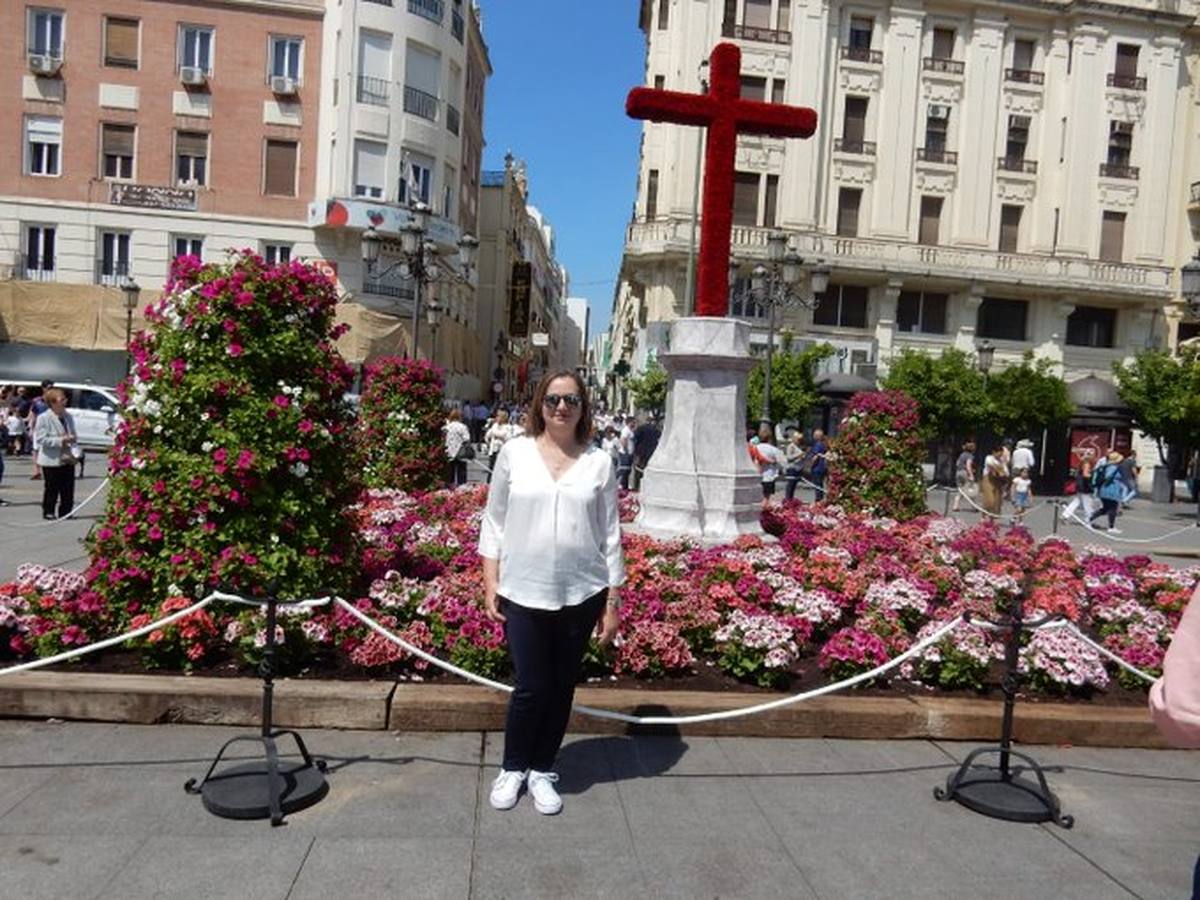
94	408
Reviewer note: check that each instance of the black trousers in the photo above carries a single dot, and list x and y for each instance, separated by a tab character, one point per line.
58	488
546	649
1107	508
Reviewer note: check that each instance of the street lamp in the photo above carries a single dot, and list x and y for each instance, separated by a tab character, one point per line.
984	354
419	259
131	291
433	315
1189	284
776	285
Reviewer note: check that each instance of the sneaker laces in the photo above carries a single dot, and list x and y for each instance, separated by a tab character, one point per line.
507	779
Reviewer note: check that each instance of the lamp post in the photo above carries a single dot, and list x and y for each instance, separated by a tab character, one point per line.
433	315
984	354
419	259
131	291
1189	284
775	285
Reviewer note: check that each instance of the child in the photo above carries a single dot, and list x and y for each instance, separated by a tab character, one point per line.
1022	493
15	426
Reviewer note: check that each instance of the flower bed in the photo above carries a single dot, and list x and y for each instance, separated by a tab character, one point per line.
835	595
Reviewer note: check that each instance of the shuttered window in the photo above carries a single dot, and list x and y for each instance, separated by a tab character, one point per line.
931	220
849	200
920	312
117	142
843	305
652	194
1002	319
753	88
1010	227
745	198
121	43
771	201
1112	236
191	157
943	43
1023	50
758	14
280	164
1127	60
854	126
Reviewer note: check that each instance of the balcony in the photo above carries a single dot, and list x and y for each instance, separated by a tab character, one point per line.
373	90
452	118
1126	82
1194	195
754	33
1024	76
34	268
111	272
1016	164
937	155
1108	170
860	148
863	54
420	103
945	66
381	2
433	10
456	25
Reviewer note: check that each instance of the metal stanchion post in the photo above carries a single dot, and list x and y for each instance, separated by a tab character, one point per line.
946	510
1054	503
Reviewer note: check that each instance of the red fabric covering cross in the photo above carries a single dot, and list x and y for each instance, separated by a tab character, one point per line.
726	115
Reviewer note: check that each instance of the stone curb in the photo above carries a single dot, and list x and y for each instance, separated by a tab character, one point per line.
379	705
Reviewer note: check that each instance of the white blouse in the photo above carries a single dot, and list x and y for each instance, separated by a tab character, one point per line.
558	542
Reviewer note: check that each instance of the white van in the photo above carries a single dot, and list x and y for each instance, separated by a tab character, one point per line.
93	407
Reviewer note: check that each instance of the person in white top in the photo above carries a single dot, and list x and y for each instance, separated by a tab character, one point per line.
55	433
498	433
550	542
769	459
458	441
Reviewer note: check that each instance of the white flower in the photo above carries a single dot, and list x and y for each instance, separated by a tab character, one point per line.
299	469
207	446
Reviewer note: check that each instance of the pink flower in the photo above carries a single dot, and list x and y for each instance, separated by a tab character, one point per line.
282	401
234	349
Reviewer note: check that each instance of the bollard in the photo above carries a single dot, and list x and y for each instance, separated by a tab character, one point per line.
1055	504
946	511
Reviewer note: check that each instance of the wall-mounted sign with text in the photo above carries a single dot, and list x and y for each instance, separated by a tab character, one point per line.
152	196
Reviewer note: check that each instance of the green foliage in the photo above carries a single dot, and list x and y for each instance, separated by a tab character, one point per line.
649	390
750	664
875	461
793	386
400	425
1027	397
231	466
949	389
1163	393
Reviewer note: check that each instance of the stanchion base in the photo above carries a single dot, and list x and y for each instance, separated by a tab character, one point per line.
242	792
1015	800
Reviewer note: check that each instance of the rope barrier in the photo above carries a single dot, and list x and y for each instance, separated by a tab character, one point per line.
1124	540
153	626
1071	626
58	519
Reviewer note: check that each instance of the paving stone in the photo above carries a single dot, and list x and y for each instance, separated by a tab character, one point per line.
385	867
61	867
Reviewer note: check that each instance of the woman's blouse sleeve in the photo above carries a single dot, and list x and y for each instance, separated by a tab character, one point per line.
1175	698
491	529
614	556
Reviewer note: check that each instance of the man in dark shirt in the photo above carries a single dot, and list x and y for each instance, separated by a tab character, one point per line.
818	452
645	442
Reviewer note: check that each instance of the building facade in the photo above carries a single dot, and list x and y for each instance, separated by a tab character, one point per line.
1006	173
141	130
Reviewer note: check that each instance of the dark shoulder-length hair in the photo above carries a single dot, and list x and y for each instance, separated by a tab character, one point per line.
537	416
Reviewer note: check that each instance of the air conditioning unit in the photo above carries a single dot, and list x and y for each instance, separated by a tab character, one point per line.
939	111
40	64
281	84
192	75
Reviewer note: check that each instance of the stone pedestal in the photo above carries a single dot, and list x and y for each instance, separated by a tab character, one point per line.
701	482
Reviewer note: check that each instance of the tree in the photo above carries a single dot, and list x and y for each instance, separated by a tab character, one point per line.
1027	397
793	387
950	391
1163	393
649	390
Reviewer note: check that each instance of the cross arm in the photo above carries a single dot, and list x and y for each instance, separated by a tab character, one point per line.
670	106
775	119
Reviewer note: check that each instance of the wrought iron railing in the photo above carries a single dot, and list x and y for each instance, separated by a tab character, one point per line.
111	272
863	54
754	33
846	145
373	90
32	267
937	155
1126	82
1108	170
938	64
1017	164
1024	76
456	25
433	10
420	103
452	118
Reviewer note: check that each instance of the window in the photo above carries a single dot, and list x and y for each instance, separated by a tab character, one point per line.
1018	138
918	312
849	200
375	67
43	145
195	48
757	14
1120	143
117	143
854	125
937	125
771	201
370	164
1010	227
943	43
191	158
45	32
121	43
113	264
39	252
652	194
285	57
844	305
1091	326
277	254
1002	319
421	71
1112	236
448	192
279	168
660	82
745	198
778	90
187	245
416	178
664	13
931	220
1127	61
1022	55
860	32
753	88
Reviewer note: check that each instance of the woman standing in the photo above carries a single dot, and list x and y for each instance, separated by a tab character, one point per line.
552	563
769	459
54	434
994	481
457	436
498	433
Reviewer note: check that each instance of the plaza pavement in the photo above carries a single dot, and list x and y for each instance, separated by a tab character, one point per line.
98	811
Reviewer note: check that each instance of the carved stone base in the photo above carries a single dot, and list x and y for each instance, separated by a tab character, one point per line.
701	482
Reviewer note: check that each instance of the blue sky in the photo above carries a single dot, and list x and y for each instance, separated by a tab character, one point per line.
557	100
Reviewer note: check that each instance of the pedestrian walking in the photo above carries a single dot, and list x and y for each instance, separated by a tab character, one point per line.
55	436
794	454
1083	489
645	442
769	459
994	482
1022	494
818	465
498	434
1129	476
458	448
550	542
1106	481
964	475
625	455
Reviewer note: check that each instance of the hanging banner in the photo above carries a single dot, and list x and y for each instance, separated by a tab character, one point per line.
518	299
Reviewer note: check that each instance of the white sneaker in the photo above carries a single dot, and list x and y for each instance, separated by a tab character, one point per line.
1114	531
506	789
545	797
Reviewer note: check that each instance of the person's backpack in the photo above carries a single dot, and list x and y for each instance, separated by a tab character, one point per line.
1104	475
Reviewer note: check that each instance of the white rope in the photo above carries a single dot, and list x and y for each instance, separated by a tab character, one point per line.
1071	626
153	626
1124	540
986	512
660	720
88	499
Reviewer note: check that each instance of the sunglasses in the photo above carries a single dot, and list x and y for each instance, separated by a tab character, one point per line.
551	401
